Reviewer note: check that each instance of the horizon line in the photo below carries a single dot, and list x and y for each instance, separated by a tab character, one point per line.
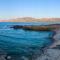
26	17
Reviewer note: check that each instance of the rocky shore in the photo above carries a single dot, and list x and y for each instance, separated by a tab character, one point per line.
51	27
53	51
50	53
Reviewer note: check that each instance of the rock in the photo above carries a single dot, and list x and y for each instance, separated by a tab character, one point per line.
2	57
16	27
50	54
56	38
33	28
37	28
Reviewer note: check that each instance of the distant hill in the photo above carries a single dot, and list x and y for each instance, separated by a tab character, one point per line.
30	19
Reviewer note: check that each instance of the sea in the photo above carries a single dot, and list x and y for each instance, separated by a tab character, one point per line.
23	44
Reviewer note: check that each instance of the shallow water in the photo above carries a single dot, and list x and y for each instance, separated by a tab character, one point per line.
21	43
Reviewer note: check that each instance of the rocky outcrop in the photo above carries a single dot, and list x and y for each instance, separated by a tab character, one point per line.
50	54
16	27
38	28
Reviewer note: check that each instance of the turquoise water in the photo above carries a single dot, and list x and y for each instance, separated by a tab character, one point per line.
21	42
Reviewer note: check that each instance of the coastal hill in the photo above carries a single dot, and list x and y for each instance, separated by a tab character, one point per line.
30	19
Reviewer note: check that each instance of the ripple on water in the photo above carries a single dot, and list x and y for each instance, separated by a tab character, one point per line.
20	44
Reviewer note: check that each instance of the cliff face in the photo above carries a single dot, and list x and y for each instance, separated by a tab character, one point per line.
30	19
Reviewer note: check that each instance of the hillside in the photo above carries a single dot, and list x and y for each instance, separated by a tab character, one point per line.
30	19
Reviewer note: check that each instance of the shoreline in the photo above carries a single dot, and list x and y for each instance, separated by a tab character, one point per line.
49	52
56	39
55	28
52	52
52	27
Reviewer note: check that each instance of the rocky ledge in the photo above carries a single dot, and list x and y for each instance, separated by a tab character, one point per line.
37	28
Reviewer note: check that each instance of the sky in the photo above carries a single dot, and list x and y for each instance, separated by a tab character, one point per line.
29	8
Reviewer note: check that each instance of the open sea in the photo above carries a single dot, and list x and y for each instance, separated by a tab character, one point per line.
21	44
